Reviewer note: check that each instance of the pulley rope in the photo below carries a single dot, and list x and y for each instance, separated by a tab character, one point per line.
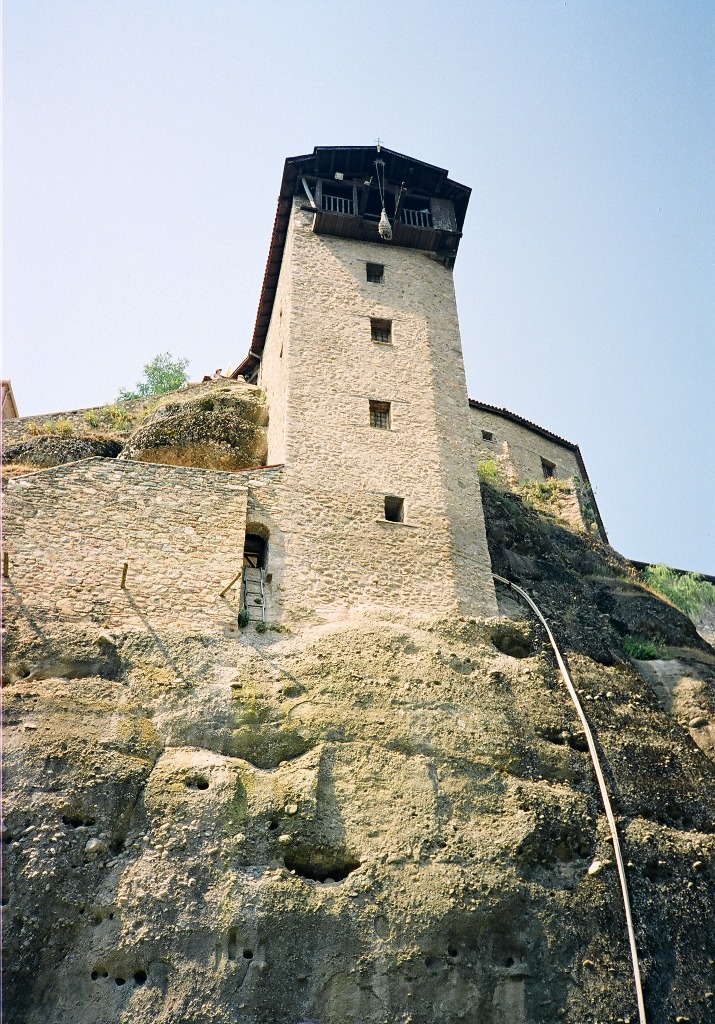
384	227
604	794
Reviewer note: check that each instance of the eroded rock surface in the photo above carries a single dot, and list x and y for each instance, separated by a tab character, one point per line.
382	821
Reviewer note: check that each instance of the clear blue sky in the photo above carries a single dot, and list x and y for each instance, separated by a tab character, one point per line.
143	150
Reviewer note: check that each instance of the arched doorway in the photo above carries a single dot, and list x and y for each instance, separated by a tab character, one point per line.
255	558
255	549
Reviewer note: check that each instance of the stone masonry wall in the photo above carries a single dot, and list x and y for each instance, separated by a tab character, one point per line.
68	530
519	450
338	467
331	552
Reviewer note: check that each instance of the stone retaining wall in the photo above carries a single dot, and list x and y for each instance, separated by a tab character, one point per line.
68	531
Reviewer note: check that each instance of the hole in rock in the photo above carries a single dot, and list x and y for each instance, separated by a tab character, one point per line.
77	820
232	944
196	782
120	981
273	825
509	962
140	977
321	869
656	871
248	954
452	950
578	742
553	734
510	641
94	975
429	961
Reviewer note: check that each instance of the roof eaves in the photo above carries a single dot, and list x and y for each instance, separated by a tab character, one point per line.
515	418
275	259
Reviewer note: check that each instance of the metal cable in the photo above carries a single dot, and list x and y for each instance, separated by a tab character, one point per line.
604	794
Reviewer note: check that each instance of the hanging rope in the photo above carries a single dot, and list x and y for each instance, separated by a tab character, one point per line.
604	795
398	201
384	227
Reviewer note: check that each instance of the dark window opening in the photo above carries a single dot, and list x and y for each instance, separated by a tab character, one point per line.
337	198
416	212
380	415
373	205
381	331
487	435
394	509
375	273
548	469
254	551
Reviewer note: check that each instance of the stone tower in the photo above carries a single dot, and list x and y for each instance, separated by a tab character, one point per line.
357	347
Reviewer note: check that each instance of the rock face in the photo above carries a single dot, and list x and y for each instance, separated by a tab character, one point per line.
51	450
221	429
383	820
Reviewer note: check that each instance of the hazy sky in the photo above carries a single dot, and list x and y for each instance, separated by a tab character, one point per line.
143	150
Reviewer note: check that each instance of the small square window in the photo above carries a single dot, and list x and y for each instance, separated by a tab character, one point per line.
375	273
381	331
380	415
548	469
394	509
487	435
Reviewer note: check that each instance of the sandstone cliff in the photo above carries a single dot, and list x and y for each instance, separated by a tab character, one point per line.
384	820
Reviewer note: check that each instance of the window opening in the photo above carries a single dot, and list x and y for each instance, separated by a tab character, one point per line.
373	204
381	331
548	469
394	509
337	198
375	273
487	435
254	551
380	415
416	212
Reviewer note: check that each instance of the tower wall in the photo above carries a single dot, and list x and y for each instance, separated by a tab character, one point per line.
337	548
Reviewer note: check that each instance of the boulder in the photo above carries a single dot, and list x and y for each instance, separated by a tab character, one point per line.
222	428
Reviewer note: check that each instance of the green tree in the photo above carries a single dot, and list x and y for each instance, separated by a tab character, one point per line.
162	374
